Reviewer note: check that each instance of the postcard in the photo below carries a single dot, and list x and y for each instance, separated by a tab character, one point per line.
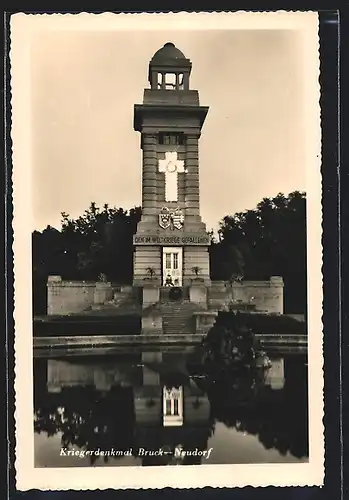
167	250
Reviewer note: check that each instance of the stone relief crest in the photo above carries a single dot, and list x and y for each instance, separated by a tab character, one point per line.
171	219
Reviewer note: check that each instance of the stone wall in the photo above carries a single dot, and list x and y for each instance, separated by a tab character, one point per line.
261	296
66	297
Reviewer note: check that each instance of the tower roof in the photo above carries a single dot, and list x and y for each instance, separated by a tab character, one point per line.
167	55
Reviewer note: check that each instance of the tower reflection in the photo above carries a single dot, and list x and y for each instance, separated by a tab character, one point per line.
171	412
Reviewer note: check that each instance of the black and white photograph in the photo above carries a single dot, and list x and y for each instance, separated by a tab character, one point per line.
167	223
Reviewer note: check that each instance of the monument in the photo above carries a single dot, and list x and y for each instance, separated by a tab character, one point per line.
171	244
171	238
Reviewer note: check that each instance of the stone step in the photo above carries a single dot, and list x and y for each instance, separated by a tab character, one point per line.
169	322
177	310
177	320
177	317
189	305
169	331
172	310
178	327
176	323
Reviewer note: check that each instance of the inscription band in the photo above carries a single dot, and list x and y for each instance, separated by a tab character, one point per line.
171	240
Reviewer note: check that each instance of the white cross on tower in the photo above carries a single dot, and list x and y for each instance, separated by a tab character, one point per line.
172	167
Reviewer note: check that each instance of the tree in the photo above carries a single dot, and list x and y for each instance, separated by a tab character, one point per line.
230	346
99	242
269	240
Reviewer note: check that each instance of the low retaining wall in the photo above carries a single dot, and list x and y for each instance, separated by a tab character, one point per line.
67	297
262	296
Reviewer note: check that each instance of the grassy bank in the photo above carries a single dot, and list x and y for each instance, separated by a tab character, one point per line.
91	325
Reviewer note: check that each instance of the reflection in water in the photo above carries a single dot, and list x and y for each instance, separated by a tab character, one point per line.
275	376
172	411
150	410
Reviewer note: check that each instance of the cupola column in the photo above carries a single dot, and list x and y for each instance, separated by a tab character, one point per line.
154	80
186	81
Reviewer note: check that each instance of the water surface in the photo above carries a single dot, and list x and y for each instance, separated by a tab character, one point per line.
147	408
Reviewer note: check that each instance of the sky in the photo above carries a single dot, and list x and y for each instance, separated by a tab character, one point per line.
84	86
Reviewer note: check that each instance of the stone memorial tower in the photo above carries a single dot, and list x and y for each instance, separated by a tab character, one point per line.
171	243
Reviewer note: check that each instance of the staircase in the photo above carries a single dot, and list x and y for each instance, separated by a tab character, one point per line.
177	317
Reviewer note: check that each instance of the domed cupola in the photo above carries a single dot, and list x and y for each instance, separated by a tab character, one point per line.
168	54
169	69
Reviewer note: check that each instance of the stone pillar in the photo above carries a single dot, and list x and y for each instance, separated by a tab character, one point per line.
186	80
151	295
54	284
154	80
149	181
102	293
54	288
163	81
204	321
198	294
277	283
192	199
275	376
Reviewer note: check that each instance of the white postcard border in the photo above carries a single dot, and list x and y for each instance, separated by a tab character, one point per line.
27	476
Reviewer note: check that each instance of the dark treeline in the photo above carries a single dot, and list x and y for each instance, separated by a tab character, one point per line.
269	240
